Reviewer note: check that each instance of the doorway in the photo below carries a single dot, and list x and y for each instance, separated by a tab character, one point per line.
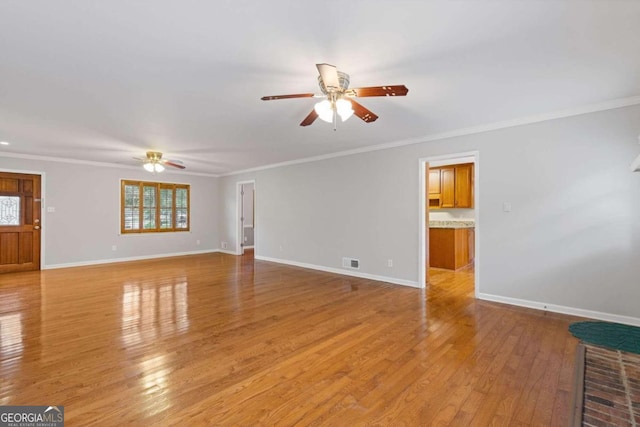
245	231
20	201
449	206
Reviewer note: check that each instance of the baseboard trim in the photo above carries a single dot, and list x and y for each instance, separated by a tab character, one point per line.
341	272
597	315
134	258
225	251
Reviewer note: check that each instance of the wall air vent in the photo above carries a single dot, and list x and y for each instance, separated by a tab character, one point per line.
351	263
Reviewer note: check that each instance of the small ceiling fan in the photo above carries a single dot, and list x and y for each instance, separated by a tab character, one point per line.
339	101
155	163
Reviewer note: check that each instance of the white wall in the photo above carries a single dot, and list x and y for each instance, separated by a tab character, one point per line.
86	221
571	242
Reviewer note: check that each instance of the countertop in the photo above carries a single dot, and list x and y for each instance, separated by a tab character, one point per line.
452	224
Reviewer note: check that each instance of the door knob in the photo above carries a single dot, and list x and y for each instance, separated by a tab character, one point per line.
37	227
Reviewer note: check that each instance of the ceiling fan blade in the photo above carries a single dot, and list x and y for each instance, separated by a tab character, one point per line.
139	159
363	112
310	118
329	74
396	90
169	163
295	95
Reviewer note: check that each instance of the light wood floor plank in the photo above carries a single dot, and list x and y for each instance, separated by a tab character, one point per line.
215	339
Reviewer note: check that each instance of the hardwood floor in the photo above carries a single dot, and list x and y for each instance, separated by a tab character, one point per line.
221	340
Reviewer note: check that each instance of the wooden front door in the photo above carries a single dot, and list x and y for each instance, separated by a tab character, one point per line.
19	222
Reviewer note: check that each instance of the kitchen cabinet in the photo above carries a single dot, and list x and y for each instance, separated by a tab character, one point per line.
434	181
464	186
448	194
451	248
434	189
451	187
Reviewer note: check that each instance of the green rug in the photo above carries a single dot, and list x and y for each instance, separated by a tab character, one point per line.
610	335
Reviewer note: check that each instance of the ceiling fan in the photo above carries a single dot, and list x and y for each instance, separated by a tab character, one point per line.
339	101
155	163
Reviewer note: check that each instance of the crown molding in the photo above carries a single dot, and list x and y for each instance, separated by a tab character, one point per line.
569	112
92	163
559	114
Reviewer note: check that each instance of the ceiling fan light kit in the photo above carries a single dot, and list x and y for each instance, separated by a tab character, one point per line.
344	108
328	109
324	110
334	85
154	163
153	167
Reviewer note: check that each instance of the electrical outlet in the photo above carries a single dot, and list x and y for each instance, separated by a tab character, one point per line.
197	242
224	245
114	248
389	263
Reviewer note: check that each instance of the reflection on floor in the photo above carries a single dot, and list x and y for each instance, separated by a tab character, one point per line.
463	278
216	339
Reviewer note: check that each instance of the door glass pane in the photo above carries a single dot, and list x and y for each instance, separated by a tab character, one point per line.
9	210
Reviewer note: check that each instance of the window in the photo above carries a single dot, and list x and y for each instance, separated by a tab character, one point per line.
153	207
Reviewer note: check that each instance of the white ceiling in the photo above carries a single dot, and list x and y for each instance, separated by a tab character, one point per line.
105	81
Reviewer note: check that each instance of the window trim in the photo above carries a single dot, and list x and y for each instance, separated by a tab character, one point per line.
157	186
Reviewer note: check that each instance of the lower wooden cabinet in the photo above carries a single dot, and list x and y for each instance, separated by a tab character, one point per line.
451	248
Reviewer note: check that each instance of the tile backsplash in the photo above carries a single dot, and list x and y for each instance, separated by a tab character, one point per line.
445	214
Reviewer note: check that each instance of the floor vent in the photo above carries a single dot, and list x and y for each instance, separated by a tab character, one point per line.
351	263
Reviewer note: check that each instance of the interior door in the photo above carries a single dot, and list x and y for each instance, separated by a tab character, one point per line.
19	222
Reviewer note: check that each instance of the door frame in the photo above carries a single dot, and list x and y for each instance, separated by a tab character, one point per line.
43	229
239	225
423	190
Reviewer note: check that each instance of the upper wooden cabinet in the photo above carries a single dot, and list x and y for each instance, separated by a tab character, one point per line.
434	181
464	185
451	186
448	180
